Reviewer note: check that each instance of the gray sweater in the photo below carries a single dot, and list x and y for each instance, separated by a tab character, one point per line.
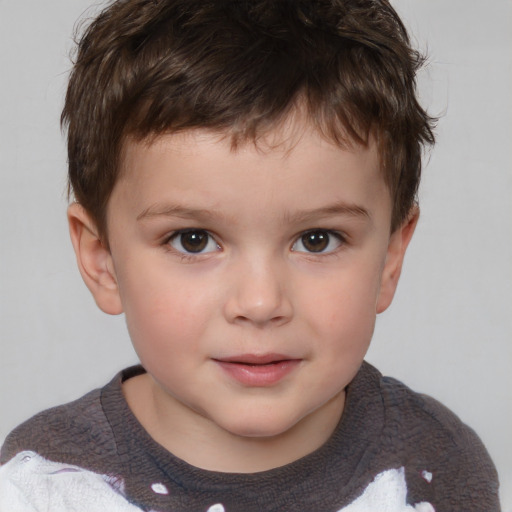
393	449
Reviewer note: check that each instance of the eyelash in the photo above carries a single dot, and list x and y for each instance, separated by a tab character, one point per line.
192	256
336	235
188	256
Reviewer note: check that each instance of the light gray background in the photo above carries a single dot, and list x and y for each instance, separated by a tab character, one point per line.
449	331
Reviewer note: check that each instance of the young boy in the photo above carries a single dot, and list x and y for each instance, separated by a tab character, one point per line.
245	175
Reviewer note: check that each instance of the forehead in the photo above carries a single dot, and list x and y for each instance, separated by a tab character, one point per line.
291	144
295	128
288	171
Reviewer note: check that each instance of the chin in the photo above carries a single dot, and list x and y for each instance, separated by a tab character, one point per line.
259	428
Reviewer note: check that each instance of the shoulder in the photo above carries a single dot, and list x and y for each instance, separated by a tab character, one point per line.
63	433
412	418
421	416
437	449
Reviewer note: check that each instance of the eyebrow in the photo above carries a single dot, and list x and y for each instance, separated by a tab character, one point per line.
337	209
176	210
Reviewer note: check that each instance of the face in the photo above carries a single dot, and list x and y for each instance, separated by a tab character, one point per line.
251	279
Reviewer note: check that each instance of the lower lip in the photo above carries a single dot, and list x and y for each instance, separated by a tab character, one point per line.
260	375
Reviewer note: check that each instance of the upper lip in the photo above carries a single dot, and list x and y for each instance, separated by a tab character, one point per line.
255	358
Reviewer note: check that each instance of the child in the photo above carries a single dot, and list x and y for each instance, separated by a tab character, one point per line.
245	175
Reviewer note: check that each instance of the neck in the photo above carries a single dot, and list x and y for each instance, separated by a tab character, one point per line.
205	445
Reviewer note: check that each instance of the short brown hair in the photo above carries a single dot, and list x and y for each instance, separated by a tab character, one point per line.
148	67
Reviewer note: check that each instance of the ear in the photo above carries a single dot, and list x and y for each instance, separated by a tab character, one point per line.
94	260
398	242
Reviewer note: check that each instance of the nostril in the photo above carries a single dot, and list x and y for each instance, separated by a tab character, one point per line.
262	321
257	298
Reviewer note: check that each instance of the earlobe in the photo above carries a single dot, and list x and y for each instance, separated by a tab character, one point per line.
94	260
398	243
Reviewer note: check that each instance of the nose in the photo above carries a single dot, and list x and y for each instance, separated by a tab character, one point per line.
258	295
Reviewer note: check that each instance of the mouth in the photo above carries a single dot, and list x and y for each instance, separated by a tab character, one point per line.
255	359
255	370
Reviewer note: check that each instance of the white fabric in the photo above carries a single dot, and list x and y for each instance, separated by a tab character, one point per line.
30	483
387	493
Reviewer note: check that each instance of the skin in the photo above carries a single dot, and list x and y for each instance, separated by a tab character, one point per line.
257	288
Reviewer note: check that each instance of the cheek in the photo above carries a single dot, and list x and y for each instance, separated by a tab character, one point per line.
355	290
344	312
163	314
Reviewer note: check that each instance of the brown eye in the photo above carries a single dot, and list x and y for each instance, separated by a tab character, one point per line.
193	241
315	241
318	241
